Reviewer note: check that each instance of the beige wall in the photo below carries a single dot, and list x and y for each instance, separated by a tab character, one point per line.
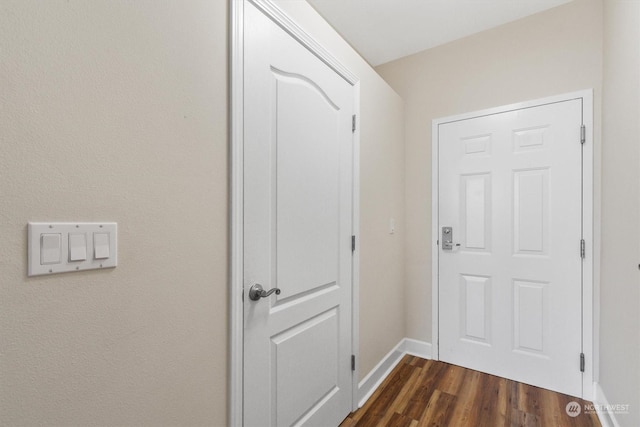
620	288
550	53
381	195
115	110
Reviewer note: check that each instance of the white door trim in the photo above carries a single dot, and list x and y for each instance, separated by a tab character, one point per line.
591	231
236	144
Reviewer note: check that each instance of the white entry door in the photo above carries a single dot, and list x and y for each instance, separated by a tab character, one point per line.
510	287
298	190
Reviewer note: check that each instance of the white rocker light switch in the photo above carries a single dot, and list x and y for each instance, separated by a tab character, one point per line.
50	249
77	247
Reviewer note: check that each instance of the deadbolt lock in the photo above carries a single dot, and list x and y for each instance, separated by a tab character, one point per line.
447	238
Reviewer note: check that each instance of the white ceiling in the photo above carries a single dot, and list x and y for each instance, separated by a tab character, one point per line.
384	30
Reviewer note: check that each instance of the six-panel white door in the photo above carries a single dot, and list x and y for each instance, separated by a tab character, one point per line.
510	293
298	223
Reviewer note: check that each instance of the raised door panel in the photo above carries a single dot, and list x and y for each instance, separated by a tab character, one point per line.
305	373
475	212
531	211
475	308
307	165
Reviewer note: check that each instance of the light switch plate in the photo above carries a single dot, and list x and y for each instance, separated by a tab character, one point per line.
36	230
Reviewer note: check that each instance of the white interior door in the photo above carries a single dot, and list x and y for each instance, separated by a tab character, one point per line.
510	295
298	225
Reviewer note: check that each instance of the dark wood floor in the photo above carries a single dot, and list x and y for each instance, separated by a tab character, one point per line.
423	392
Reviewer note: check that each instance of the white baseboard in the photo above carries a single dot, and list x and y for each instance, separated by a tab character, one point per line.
416	348
372	381
607	418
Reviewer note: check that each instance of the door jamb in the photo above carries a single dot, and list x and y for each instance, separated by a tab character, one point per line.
591	230
236	147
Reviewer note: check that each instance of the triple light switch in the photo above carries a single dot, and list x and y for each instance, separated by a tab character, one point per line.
61	247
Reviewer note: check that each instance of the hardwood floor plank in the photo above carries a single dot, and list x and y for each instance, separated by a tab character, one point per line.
416	405
380	406
524	419
551	415
452	379
530	399
418	362
404	397
398	420
502	403
439	410
474	413
380	390
412	386
348	422
489	412
463	409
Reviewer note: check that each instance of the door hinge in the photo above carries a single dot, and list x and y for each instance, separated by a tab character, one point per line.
582	249
581	362
353	243
583	134
353	123
353	362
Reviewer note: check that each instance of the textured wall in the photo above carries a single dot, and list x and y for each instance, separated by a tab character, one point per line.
620	289
554	52
381	195
115	110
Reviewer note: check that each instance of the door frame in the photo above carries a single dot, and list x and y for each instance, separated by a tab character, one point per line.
591	230
236	176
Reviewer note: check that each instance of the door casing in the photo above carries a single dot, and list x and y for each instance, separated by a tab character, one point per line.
590	297
236	148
